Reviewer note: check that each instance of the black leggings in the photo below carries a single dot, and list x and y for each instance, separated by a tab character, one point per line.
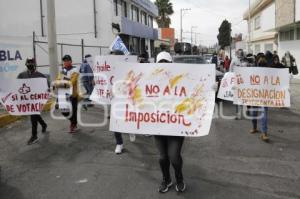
73	117
170	152
35	120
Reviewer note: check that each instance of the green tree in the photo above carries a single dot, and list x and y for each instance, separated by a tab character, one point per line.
224	35
165	9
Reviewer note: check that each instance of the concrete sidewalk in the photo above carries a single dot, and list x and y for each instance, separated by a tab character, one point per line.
229	163
295	95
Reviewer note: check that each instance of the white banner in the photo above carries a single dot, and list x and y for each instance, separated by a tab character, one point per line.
263	87
24	96
63	99
104	71
162	99
225	90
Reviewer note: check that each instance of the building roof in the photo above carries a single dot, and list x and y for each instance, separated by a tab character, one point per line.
257	7
147	5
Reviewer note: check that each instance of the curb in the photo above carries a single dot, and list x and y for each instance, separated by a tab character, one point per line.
6	119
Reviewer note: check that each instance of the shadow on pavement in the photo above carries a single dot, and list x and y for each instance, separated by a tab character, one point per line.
9	192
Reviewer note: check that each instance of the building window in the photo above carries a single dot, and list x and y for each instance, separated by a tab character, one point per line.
144	18
269	47
292	35
298	34
257	48
116	7
257	23
124	9
134	13
288	35
150	23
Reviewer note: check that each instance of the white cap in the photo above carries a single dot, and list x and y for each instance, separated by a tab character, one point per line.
164	56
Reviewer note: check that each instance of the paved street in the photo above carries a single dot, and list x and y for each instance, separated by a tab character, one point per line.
229	163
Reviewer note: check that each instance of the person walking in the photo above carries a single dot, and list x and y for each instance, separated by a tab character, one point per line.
31	72
260	113
239	61
215	60
169	148
290	62
68	78
87	77
118	136
227	62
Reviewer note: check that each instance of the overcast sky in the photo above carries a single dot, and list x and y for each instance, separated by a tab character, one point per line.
208	15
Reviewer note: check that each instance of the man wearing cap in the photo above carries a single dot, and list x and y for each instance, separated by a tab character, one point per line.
68	78
31	72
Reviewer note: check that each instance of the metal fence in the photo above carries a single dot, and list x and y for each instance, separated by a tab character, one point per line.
77	51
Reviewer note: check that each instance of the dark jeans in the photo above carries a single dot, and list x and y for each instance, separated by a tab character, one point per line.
89	89
35	120
73	117
119	139
262	114
169	148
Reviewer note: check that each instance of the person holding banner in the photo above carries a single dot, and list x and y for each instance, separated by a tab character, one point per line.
68	79
262	62
240	61
35	119
118	136
169	148
276	62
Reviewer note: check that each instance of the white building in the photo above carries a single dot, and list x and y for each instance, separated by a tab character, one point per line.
263	36
95	22
288	27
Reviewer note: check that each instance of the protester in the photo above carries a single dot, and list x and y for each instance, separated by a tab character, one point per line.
68	78
251	60
227	62
169	148
118	136
263	111
269	58
289	62
87	77
215	59
35	119
143	58
239	61
276	62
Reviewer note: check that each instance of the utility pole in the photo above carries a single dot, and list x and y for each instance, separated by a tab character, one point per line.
181	16
52	40
192	28
249	27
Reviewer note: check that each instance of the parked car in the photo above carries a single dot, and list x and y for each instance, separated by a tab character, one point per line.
183	48
196	59
208	58
189	59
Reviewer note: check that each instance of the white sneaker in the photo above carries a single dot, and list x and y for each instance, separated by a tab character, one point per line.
132	137
119	149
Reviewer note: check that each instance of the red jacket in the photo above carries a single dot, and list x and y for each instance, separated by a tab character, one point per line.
227	64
